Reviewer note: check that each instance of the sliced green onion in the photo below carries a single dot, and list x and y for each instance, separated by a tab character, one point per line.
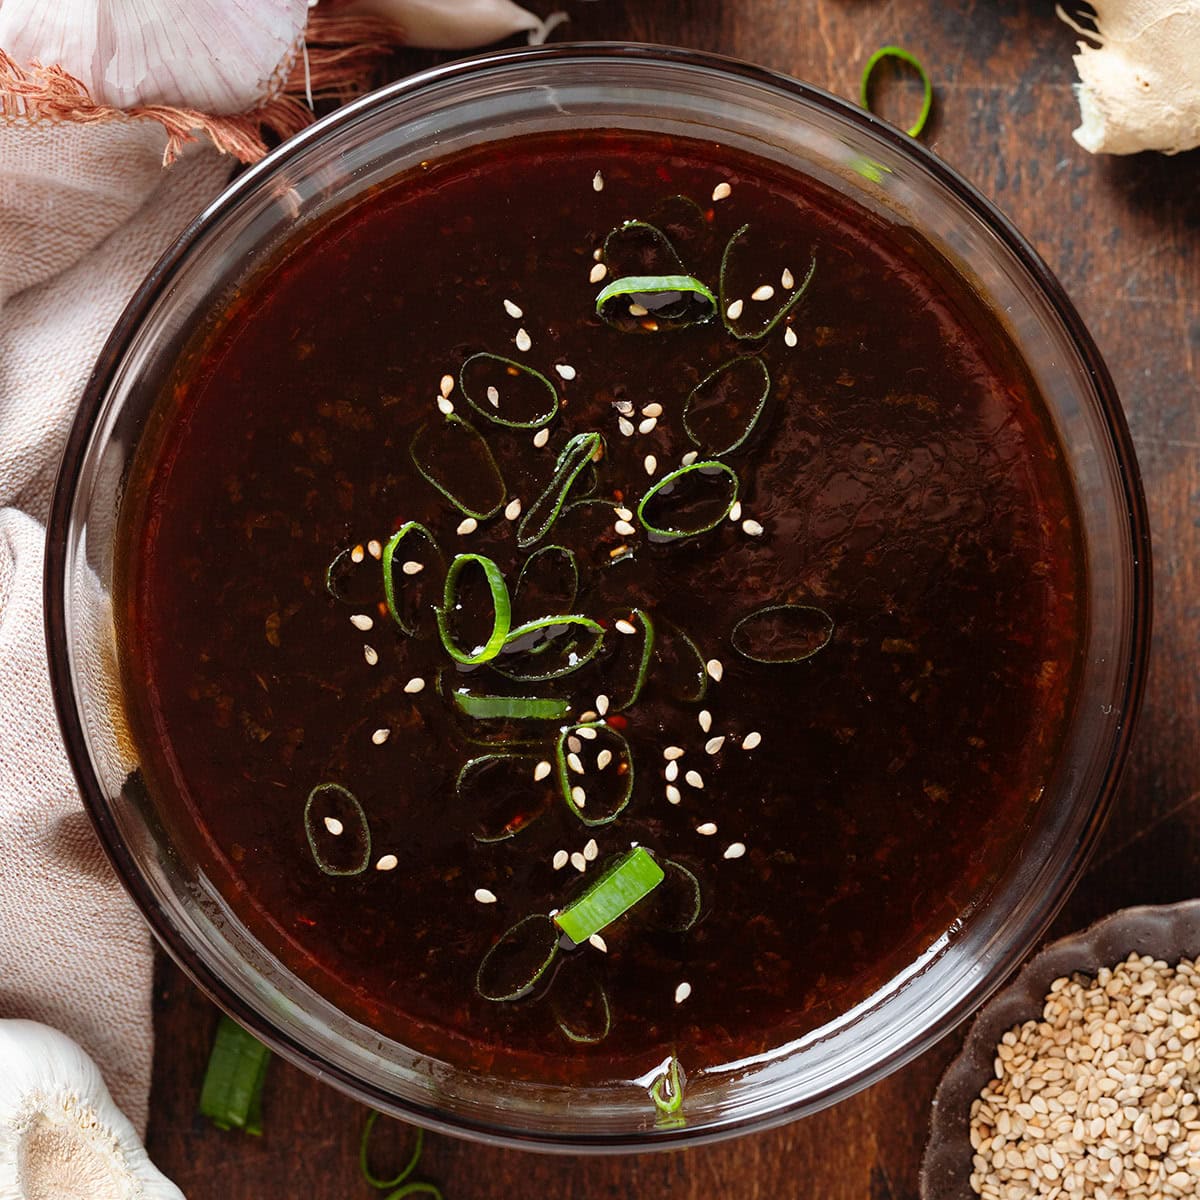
344	571
681	666
645	264
786	307
512	369
510	708
511	969
632	878
231	1096
681	888
911	60
782	633
388	557
670	301
543	512
470	466
667	1090
619	701
704	469
534	593
500	790
749	381
585	1020
501	610
588	807
539	638
682	220
416	1188
364	1156
332	803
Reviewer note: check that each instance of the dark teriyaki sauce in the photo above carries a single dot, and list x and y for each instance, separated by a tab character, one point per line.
912	504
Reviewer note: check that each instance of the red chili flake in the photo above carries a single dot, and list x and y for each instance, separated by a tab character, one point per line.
617	721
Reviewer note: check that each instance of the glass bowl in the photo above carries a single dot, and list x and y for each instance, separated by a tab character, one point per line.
561	88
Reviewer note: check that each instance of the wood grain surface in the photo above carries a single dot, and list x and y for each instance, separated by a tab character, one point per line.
1124	237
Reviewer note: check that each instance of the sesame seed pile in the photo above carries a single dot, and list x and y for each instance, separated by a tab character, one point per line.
1098	1099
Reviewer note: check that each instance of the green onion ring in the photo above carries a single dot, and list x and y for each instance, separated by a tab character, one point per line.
543	512
365	829
667	1089
731	365
581	1038
826	636
389	581
501	610
523	631
473	765
413	453
491	413
705	465
656	285
639	682
667	244
564	777
672	632
363	1150
537	554
905	57
526	985
783	310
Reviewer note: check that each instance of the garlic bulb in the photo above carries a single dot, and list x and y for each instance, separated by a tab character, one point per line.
61	1135
456	24
217	56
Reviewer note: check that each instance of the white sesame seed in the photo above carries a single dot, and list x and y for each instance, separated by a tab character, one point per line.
575	763
560	859
444	406
541	771
584	717
412	567
512	510
624	626
513	310
624	407
673	794
591	851
578	861
734	310
362	621
447	385
786	281
763	292
484	896
597	182
334	826
689	458
735	512
715	669
624	528
493	395
722	191
388	862
357	555
672	772
598	253
694	779
682	992
752	527
625	426
734	850
380	736
707	829
705	719
673	752
602	704
588	735
579	796
523	340
713	745
599	943
565	371
638	310
371	655
468	525
574	744
650	463
751	740
647	426
653	410
541	438
789	336
597	272
414	685
375	549
603	759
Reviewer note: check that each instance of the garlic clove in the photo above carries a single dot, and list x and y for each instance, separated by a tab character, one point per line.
61	1135
460	25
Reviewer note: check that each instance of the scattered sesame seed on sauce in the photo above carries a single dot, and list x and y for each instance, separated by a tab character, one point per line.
541	771
707	829
371	655
764	291
786	280
357	554
682	992
579	862
512	510
674	795
734	850
672	772
650	463
541	438
523	340
734	310
752	740
647	426
334	826
484	896
752	528
625	425
624	626
789	337
387	862
560	860
735	511
722	191
689	458
468	525
444	406
493	395
597	182
653	410
446	385
704	720
715	669
380	736
513	310
588	735
624	528
714	744
694	779
591	851
598	943
673	752
362	621
375	548
597	273
415	685
603	759
412	567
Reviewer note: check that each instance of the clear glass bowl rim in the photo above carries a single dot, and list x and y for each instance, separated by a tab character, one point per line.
159	280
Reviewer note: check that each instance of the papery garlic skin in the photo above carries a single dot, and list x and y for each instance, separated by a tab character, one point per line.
217	56
450	24
61	1135
1139	83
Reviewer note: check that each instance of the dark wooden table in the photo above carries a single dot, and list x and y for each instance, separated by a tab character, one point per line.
1124	237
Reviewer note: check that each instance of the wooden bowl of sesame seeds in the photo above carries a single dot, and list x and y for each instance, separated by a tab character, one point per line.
1081	1078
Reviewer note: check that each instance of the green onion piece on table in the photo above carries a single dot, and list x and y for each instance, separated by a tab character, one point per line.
598	794
511	370
231	1096
662	301
338	833
364	1156
543	512
510	708
782	633
904	56
668	490
501	610
453	456
789	302
388	561
631	879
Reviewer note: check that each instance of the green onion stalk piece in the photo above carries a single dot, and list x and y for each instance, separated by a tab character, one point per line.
512	369
468	467
501	610
511	969
498	790
585	1020
669	301
543	512
681	666
331	806
898	52
790	301
231	1096
532	584
388	562
509	708
688	888
645	652
538	638
782	633
704	469
736	392
582	791
633	877
629	231
364	1156
667	1090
